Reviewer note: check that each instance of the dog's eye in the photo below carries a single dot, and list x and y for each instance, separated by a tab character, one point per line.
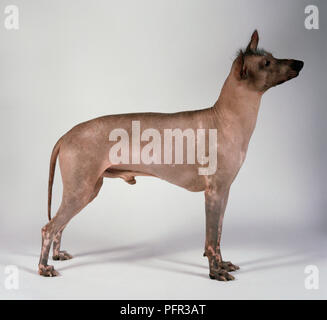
267	63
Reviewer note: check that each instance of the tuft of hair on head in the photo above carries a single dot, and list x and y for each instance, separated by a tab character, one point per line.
256	52
249	52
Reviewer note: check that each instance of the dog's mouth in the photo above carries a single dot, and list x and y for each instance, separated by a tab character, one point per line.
292	74
280	82
284	80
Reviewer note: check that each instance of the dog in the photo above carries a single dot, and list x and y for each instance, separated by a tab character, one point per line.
84	162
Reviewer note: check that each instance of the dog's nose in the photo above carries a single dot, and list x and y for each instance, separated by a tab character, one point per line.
297	65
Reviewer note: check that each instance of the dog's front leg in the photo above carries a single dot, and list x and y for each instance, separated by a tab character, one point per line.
215	202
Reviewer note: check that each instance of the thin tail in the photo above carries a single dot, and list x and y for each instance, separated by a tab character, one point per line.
52	169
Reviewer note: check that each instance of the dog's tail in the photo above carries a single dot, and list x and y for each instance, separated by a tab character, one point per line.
52	169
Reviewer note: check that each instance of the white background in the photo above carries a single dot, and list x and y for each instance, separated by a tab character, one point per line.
73	61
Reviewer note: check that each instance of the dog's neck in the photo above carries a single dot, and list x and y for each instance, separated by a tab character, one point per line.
237	106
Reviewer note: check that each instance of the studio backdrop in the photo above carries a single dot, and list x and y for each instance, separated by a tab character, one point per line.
71	61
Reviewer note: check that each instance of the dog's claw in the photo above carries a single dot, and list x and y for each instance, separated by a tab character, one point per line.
228	266
63	255
220	275
47	271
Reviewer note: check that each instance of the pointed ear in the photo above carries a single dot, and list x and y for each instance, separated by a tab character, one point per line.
238	66
253	44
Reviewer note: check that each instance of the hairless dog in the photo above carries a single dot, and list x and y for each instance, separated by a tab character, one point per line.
84	162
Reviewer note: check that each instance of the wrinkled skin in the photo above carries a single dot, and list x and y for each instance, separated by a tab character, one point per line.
84	162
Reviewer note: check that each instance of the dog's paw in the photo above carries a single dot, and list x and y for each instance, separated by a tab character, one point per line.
220	275
47	271
63	255
228	266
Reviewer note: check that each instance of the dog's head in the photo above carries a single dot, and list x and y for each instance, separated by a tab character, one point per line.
259	70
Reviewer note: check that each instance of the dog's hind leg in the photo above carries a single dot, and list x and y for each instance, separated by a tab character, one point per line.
80	186
97	188
69	207
63	255
57	253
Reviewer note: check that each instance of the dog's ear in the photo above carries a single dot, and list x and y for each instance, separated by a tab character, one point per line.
253	44
238	66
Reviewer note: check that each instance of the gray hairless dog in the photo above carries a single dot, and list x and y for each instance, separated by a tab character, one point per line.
84	162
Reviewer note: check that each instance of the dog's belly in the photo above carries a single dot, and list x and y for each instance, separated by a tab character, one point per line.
182	175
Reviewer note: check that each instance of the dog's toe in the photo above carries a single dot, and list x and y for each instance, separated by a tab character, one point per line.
220	275
48	271
228	266
63	255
